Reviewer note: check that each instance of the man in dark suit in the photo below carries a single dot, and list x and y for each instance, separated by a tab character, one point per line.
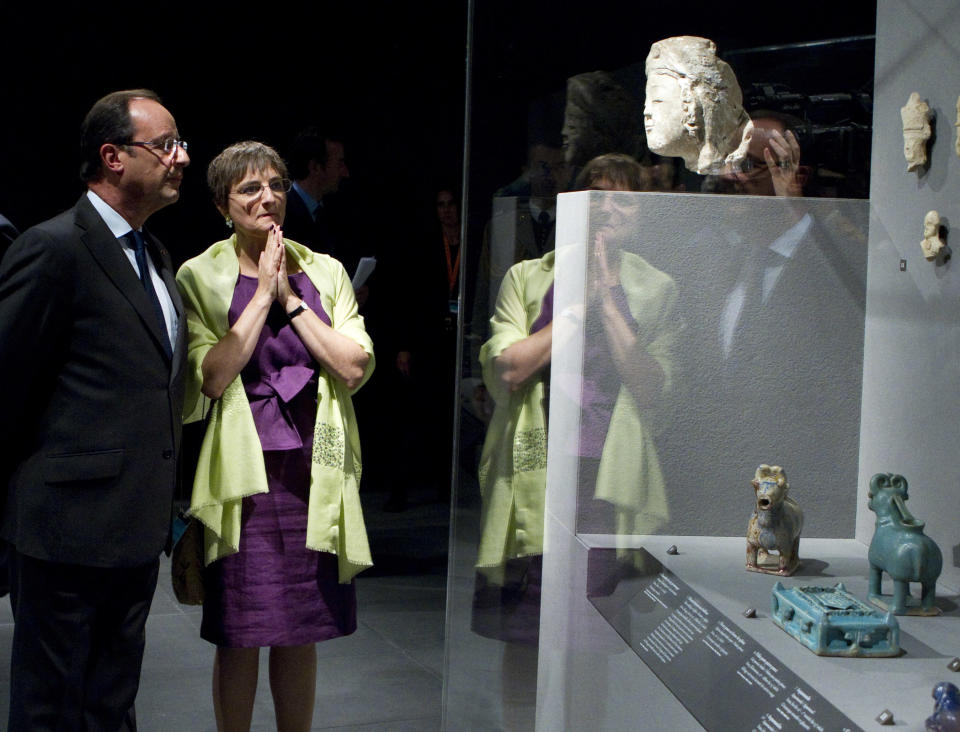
317	166
93	340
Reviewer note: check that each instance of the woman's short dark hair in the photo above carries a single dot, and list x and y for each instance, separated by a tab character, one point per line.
108	121
620	172
234	162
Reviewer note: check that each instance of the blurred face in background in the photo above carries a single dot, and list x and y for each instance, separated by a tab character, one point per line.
335	169
447	209
547	171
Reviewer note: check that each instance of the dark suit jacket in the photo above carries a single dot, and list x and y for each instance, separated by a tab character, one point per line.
8	232
783	392
91	423
300	226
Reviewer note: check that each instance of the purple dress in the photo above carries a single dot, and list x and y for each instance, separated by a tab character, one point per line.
275	591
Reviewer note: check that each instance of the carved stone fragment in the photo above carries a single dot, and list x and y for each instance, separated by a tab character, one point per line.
932	243
956	145
916	131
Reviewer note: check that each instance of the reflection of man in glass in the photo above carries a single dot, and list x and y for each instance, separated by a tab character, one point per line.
694	106
772	166
523	227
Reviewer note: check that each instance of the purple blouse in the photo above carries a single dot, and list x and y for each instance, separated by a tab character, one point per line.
546	312
601	382
281	378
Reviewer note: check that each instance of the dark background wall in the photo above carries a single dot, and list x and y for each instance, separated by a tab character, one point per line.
525	51
389	76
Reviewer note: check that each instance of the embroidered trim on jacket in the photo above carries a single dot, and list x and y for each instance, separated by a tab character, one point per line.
530	450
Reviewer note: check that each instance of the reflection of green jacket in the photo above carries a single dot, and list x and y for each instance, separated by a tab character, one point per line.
231	462
629	476
513	462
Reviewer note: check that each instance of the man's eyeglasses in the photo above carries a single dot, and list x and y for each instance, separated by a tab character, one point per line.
167	146
254	189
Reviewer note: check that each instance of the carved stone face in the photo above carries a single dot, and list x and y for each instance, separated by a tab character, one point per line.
914	149
703	120
931	244
916	131
663	117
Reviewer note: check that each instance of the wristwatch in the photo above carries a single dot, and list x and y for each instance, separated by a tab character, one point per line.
302	307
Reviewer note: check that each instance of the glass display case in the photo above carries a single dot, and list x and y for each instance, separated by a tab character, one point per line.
637	339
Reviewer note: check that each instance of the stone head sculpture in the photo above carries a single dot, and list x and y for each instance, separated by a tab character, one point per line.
694	106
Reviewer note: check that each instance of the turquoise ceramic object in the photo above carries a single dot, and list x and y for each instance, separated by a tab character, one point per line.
832	622
900	548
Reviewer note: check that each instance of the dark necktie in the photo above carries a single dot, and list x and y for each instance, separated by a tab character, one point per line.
541	230
139	248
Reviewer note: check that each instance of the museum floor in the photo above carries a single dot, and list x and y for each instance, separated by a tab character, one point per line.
386	676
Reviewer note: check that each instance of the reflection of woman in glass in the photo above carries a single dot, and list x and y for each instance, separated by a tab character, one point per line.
516	367
627	380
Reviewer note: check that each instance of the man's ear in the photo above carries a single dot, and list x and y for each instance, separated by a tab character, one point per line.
315	168
110	155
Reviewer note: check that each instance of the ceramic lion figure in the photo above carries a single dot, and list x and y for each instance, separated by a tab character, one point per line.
775	524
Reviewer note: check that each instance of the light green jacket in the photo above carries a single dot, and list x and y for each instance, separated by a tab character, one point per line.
231	464
513	462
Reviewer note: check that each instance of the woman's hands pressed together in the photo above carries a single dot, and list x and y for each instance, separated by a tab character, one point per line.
268	266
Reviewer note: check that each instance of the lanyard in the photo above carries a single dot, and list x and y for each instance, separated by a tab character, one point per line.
452	265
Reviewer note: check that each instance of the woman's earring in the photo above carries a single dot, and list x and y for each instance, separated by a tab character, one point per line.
229	222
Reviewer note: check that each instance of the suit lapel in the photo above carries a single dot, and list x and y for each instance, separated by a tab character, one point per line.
106	250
